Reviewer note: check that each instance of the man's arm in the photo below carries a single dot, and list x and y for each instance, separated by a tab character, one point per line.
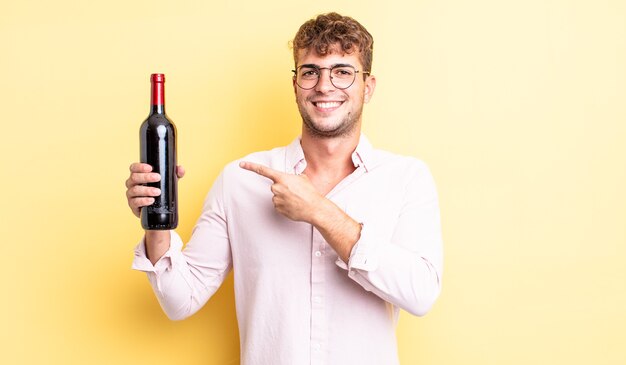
338	229
139	196
296	198
181	280
157	243
405	269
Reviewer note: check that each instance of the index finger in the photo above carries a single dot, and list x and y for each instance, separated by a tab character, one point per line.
140	167
269	173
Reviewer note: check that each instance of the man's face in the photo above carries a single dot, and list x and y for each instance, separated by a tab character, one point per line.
326	110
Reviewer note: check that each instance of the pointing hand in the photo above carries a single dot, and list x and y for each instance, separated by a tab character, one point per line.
295	197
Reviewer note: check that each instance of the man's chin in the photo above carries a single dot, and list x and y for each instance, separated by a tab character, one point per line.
329	130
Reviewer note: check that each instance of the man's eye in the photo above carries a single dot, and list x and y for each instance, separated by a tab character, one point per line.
343	72
309	73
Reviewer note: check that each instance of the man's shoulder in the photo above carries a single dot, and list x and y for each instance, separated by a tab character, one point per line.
390	160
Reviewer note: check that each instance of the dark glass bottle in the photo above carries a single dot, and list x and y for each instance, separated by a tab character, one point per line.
157	139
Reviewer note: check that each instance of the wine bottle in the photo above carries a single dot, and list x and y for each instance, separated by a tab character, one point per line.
157	139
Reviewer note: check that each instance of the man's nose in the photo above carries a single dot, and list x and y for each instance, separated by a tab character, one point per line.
324	84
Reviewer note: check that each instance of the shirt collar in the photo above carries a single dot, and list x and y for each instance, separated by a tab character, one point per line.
295	162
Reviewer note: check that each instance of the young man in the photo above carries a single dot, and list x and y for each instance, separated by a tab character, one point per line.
328	237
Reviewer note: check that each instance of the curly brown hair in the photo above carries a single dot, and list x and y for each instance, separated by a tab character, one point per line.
328	31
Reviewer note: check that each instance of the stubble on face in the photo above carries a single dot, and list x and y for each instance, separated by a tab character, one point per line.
345	127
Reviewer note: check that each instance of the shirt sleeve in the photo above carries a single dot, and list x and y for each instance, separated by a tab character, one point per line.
184	280
405	269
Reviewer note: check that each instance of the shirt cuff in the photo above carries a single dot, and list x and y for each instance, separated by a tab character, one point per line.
142	263
365	253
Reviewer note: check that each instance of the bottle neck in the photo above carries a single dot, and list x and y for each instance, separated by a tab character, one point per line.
157	109
158	97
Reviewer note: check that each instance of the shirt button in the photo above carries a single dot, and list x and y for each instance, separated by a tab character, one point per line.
318	254
317	346
317	299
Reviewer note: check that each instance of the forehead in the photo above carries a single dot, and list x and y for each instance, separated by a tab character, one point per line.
334	56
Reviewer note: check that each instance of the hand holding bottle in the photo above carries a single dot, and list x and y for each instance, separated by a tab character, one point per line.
139	195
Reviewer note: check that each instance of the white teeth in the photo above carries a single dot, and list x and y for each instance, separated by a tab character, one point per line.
328	104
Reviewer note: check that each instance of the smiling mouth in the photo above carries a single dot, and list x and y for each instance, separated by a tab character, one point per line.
327	105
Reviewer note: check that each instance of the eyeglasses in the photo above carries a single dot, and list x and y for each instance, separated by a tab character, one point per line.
342	76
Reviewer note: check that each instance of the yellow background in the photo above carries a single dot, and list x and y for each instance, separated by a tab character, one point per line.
518	107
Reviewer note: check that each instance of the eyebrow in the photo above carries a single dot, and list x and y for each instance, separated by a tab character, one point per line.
312	65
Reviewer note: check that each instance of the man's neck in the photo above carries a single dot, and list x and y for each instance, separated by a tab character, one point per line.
329	160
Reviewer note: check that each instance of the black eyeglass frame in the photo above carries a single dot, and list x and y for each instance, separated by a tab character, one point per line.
330	74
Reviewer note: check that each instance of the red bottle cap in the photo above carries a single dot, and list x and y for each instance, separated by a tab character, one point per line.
158	86
157	78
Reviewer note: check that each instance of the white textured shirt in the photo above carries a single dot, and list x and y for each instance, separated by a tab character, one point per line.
296	301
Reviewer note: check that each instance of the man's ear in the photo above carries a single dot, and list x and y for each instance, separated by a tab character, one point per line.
370	86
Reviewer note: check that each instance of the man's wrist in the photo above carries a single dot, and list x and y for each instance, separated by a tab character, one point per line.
338	229
324	212
156	244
